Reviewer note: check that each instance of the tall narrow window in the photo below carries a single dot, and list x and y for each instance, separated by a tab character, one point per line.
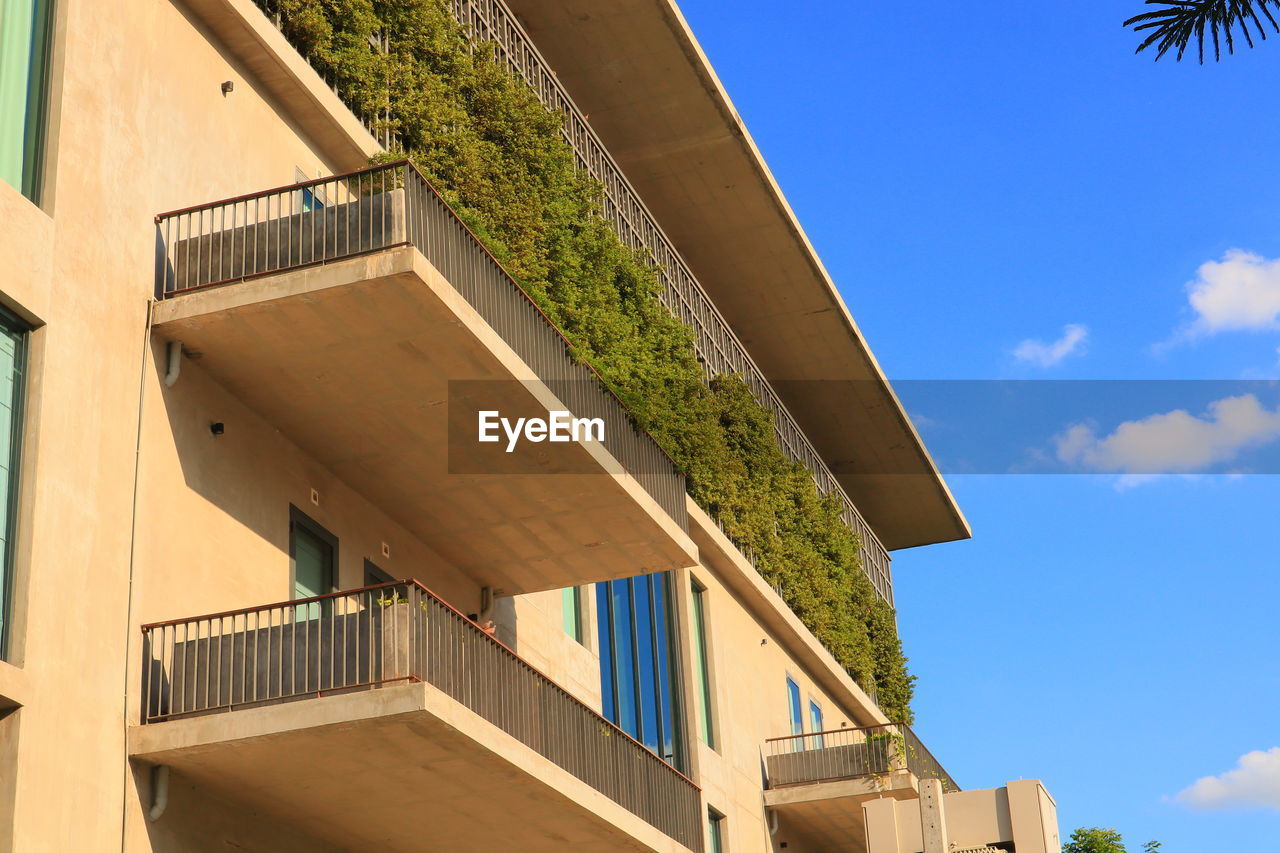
13	364
638	663
25	27
815	724
715	831
794	707
702	670
314	554
571	607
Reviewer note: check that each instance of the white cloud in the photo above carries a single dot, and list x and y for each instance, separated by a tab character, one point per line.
1172	442
1253	783
1241	292
1044	354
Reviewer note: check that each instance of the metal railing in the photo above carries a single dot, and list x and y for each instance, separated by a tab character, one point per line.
850	753
718	346
399	633
382	207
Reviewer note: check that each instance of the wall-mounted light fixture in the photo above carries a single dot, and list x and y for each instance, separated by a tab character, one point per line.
227	87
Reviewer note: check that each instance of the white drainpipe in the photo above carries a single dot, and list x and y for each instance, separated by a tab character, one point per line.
173	352
159	789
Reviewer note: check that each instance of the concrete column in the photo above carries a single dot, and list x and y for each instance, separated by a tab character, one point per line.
880	819
933	816
1033	816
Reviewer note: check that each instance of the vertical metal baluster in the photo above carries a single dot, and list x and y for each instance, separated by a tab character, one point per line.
216	233
308	253
169	272
251	256
251	670
225	252
202	657
293	654
148	636
289	229
180	675
198	232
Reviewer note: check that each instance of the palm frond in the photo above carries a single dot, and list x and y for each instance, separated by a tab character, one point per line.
1177	22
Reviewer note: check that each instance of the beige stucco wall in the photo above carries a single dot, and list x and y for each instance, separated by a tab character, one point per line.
140	126
533	625
1022	812
217	510
748	667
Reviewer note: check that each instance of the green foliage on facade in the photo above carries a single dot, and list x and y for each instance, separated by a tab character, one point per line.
496	154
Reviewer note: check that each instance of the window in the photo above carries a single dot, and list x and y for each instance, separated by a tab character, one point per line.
13	364
815	723
793	706
309	198
702	671
25	27
571	606
313	552
638	663
715	831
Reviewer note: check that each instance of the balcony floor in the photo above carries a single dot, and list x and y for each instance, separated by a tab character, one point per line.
387	769
354	361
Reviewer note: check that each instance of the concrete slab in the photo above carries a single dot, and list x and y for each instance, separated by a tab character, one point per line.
376	366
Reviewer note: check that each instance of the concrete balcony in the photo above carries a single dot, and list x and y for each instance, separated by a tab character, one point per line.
818	783
381	717
360	317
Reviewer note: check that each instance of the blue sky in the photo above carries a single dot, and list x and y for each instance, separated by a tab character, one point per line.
983	174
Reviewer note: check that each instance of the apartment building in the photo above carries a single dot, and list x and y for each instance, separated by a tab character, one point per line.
260	589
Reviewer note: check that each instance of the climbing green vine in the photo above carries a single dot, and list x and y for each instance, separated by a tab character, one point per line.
496	154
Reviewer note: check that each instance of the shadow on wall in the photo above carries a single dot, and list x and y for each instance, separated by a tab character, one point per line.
252	473
198	818
221	468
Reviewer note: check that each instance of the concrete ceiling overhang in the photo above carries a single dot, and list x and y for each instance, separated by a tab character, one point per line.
635	69
376	367
828	815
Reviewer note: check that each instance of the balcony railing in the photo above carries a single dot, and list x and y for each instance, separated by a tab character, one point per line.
850	753
718	345
400	633
383	207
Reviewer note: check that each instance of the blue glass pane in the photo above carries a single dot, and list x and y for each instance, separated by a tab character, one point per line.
663	642
793	700
607	703
815	724
648	680
623	655
12	362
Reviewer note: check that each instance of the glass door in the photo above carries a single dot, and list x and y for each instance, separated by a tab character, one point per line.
313	554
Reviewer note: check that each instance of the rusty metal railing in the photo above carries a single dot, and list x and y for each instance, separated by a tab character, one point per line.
383	207
850	753
401	633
